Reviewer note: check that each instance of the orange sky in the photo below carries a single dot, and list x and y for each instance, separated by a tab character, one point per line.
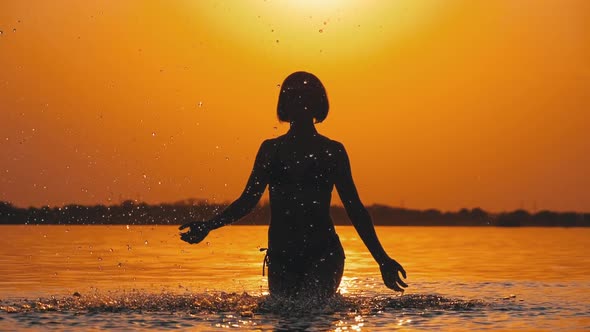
441	104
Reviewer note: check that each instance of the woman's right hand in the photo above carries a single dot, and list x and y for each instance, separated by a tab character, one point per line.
390	271
197	231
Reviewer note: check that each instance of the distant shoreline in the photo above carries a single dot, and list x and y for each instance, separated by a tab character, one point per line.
137	213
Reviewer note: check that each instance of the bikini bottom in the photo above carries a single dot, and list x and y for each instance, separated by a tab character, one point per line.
315	274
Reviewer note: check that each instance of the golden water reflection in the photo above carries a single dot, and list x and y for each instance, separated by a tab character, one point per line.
52	259
535	277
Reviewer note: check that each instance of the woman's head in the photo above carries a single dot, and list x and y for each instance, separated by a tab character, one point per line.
302	96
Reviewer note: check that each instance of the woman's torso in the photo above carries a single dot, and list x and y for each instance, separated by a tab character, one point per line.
302	171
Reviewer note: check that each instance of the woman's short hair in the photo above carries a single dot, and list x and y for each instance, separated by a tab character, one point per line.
300	92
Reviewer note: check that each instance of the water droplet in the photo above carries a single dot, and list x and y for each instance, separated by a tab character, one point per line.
1	32
146	242
120	264
321	30
153	134
127	228
200	104
14	30
277	41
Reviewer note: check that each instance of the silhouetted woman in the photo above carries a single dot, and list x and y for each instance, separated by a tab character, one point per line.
305	257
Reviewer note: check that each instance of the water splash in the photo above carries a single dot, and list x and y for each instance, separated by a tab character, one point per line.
243	304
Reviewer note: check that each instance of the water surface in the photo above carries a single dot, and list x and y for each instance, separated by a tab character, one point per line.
143	277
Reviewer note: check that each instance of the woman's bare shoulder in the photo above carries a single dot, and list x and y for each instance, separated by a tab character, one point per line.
327	140
333	144
271	142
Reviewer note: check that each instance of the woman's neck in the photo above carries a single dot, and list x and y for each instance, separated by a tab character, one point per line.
302	128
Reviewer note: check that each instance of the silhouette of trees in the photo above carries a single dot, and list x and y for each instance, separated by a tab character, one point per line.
135	213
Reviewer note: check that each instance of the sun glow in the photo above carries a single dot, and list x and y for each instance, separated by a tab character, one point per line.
311	29
322	5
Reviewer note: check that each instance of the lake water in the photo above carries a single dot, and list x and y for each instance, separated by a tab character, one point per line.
144	277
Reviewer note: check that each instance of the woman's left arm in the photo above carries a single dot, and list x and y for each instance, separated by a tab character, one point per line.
244	204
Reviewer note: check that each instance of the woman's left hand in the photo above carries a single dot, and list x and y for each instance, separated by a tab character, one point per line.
197	232
390	271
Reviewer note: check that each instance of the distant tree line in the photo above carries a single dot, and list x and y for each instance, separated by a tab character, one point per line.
137	213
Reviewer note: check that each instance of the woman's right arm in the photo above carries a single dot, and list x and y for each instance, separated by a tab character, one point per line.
361	220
